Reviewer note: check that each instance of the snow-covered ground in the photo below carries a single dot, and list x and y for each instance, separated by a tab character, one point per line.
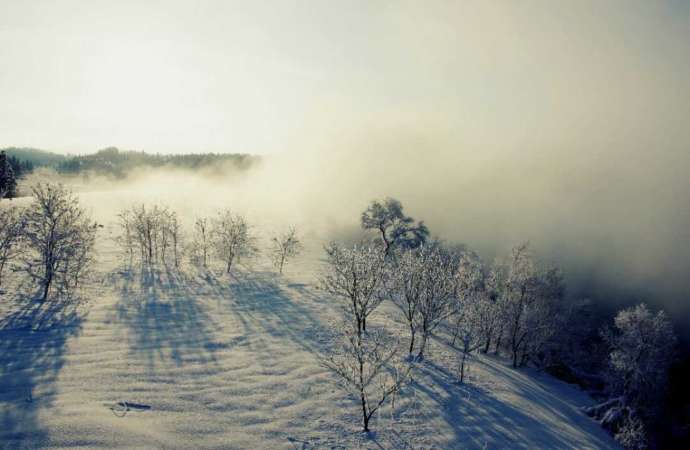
210	360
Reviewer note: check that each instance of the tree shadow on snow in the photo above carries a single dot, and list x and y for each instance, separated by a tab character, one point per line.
264	306
163	321
33	338
478	418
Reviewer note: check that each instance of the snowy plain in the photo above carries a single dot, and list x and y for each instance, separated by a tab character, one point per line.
204	359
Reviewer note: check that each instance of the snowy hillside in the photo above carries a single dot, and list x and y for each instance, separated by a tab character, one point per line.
202	359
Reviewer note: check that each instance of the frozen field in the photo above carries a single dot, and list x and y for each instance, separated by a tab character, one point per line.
203	359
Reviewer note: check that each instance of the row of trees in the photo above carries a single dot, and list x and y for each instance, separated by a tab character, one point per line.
154	234
51	240
514	306
115	162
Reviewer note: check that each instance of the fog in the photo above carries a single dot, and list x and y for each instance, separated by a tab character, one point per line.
564	124
615	219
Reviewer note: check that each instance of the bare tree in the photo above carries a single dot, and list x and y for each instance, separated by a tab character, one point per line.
529	299
470	288
169	235
174	230
468	329
12	223
364	363
155	230
231	238
395	229
60	238
492	323
200	246
355	275
470	311
141	225
406	284
127	238
439	289
284	247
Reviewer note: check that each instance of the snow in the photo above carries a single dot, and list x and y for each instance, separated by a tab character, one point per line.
230	361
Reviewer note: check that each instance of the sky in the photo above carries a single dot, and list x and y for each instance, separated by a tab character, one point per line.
269	77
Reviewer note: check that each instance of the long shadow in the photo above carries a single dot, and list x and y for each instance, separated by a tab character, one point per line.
479	419
538	391
32	346
258	296
163	319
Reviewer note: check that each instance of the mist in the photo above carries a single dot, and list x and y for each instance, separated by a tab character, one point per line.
495	123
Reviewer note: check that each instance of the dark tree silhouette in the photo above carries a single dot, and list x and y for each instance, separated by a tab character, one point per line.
394	227
8	181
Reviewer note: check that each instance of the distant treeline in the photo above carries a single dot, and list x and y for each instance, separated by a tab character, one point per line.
20	167
112	161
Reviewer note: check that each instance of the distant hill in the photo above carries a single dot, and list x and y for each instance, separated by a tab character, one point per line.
35	156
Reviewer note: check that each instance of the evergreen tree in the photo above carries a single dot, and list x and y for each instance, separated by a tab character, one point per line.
8	182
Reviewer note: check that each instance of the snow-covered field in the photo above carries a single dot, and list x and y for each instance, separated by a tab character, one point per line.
209	360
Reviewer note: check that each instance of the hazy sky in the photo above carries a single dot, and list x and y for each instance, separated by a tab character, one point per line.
173	76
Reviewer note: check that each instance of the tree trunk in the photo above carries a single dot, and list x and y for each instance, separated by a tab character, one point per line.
46	287
412	336
487	345
365	417
364	323
498	344
462	366
420	355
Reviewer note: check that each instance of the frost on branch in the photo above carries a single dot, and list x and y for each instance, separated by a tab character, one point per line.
285	247
230	238
365	364
355	275
60	237
12	221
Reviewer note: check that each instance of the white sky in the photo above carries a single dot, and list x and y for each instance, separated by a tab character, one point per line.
184	76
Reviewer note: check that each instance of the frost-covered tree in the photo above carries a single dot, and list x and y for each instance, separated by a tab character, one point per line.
127	238
60	238
284	247
529	299
631	434
152	230
169	235
200	246
356	275
494	326
642	345
8	182
365	366
394	228
405	286
436	302
11	228
231	238
467	333
175	231
470	313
